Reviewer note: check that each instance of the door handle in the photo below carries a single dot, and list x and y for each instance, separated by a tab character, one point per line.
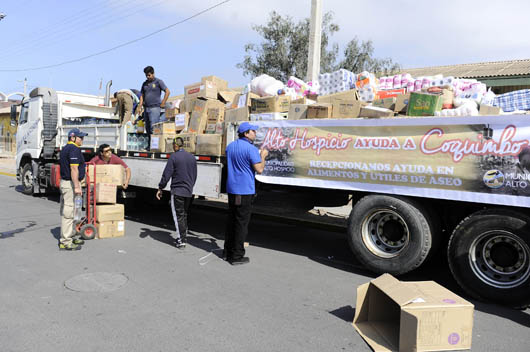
25	142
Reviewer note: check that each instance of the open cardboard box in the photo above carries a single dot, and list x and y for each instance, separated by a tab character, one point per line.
392	315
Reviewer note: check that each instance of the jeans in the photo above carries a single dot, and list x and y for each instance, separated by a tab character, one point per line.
239	211
179	208
154	116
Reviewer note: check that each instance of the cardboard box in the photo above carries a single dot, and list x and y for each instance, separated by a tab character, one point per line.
320	111
391	315
164	128
106	193
114	212
297	112
108	229
215	128
391	93
190	140
239	114
303	100
422	104
486	110
159	143
114	174
268	116
375	112
402	101
187	105
215	112
278	103
219	82
182	121
387	103
227	96
343	109
171	112
205	90
242	100
173	103
209	144
201	112
351	94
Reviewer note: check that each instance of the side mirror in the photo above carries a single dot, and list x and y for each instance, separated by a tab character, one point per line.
14	115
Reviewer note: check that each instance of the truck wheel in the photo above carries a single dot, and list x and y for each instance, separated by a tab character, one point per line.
390	234
27	179
88	232
489	256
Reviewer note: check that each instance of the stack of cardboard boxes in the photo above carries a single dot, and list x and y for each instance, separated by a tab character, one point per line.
110	216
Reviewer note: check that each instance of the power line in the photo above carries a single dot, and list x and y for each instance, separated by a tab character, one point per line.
121	45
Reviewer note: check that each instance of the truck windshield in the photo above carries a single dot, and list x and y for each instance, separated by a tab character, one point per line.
23	114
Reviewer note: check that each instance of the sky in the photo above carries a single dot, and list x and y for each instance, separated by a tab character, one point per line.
417	33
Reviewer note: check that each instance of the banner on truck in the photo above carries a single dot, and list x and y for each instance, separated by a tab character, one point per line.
477	159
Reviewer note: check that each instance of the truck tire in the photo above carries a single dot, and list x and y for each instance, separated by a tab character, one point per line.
489	256
390	234
27	179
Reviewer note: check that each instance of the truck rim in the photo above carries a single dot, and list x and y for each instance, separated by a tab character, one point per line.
385	233
500	259
28	179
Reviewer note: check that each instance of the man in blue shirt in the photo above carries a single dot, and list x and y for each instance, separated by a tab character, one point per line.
72	173
151	90
181	168
243	160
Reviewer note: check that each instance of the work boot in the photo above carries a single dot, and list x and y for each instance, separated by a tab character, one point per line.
240	261
78	241
69	247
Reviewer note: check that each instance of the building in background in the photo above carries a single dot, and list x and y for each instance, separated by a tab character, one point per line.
501	76
7	132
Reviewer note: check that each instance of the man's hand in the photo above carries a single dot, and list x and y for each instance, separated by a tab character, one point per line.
263	153
77	189
159	194
125	185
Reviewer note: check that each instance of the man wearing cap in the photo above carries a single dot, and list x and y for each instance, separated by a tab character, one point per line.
72	173
243	161
181	168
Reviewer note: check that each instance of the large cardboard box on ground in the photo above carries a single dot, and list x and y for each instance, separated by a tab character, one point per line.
319	111
108	229
209	144
114	174
219	82
422	104
351	94
201	112
190	140
107	212
239	114
391	315
106	193
278	103
158	143
297	112
205	90
343	109
167	127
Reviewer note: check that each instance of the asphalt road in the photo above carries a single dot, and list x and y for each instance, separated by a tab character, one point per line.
297	294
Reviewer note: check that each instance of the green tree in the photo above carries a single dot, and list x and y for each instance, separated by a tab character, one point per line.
284	50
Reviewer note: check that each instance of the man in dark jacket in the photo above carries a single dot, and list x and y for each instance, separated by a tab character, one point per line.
181	168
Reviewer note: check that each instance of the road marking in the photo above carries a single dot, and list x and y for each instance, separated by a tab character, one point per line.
7	174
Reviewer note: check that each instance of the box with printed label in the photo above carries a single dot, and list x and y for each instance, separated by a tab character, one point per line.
219	82
205	90
374	112
268	116
106	193
392	315
227	96
239	114
164	128
278	103
171	112
109	229
343	109
215	128
158	143
110	212
421	104
242	100
320	111
201	112
209	144
351	94
486	110
190	140
181	121
387	103
113	174
391	93
297	111
402	101
187	105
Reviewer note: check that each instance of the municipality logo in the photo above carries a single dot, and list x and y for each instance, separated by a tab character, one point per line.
493	179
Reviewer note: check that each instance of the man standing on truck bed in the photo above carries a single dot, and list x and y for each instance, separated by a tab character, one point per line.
243	161
106	157
150	99
182	169
72	173
127	101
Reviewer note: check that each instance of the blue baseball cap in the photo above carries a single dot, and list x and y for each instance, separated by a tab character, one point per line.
77	133
245	126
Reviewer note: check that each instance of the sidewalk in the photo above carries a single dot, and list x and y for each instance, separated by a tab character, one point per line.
7	165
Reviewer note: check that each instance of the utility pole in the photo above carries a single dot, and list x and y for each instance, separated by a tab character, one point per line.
25	85
315	38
